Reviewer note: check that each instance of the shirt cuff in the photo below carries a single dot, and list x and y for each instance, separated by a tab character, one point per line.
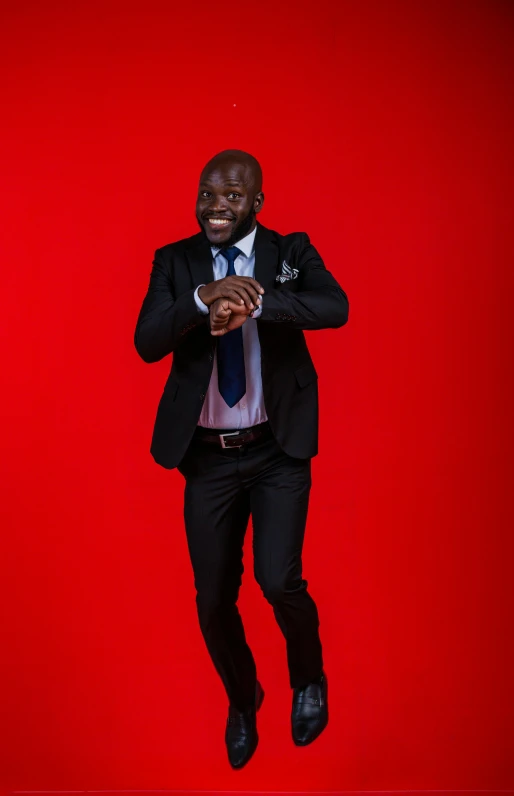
199	303
258	312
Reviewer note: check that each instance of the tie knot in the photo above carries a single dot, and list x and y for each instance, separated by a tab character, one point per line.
231	253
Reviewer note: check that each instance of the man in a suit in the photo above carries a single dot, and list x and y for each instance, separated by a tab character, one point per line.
238	417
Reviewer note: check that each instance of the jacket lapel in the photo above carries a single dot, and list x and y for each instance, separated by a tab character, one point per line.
266	257
199	257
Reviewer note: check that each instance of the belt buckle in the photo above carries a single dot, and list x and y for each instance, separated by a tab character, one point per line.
229	434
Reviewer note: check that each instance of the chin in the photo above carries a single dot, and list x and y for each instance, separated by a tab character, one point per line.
218	240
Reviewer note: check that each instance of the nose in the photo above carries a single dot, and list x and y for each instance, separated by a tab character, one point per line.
218	204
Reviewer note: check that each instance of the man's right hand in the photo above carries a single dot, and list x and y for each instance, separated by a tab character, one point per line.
238	289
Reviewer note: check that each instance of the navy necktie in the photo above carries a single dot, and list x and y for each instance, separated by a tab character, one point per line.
231	361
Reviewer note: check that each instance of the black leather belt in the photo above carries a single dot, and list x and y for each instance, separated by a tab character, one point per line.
233	439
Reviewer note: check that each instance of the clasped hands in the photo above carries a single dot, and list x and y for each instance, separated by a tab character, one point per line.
231	301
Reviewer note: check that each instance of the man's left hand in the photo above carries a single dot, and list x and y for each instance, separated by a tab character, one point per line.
225	316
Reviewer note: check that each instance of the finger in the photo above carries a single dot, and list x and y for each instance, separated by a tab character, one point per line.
222	312
247	298
235	297
244	286
251	281
219	304
239	309
254	298
219	321
252	291
219	325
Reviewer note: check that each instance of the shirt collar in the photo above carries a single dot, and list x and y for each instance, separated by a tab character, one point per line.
245	244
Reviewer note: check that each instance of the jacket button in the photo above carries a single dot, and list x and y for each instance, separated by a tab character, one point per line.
210	357
202	396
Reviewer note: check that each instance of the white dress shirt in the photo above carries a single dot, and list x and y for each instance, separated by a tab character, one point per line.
249	411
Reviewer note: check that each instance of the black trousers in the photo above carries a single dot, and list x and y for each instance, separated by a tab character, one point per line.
222	488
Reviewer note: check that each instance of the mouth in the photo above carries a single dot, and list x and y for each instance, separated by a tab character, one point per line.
217	224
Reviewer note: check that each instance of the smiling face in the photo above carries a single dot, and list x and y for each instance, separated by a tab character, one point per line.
229	197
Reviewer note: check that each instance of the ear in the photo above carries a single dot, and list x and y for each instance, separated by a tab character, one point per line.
258	202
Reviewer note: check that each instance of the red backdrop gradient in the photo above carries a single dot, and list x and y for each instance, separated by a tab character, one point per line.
385	131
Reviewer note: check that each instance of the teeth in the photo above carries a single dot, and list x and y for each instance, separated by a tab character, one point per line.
220	222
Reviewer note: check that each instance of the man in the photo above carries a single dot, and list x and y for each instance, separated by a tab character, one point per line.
239	419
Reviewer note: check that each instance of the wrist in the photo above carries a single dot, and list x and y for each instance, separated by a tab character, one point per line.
201	306
203	295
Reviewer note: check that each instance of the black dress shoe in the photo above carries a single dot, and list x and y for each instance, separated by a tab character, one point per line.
309	716
241	733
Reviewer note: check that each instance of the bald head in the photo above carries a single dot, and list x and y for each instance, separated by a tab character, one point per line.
229	196
240	160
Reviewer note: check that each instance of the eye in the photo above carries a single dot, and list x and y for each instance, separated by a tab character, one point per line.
204	194
234	194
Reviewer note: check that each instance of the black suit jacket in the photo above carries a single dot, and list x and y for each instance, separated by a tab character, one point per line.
169	321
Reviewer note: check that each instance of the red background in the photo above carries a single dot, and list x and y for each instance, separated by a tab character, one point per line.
385	131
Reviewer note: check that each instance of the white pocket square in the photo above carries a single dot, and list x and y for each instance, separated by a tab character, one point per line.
287	273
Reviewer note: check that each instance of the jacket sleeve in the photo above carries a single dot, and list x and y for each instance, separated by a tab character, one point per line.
318	303
164	319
